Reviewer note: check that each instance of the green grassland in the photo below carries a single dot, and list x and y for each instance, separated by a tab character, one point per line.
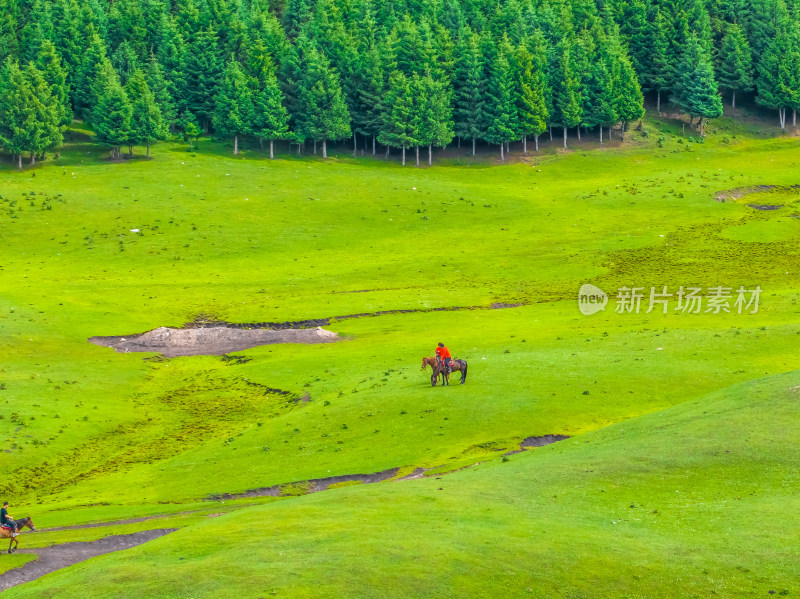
678	480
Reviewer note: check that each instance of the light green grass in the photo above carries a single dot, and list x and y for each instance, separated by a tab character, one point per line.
96	436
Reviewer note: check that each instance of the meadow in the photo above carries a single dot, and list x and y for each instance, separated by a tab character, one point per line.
679	476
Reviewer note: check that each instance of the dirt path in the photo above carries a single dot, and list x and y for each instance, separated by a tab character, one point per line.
56	557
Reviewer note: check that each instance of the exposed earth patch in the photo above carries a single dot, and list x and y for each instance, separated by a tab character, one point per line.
56	557
210	341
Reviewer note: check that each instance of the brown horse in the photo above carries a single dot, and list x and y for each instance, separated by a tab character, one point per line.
5	533
460	365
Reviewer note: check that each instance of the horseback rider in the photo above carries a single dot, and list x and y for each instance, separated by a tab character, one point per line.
5	520
443	356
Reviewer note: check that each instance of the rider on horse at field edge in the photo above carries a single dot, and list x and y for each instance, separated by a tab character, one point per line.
6	520
443	356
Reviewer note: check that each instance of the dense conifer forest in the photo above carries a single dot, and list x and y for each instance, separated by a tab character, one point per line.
408	75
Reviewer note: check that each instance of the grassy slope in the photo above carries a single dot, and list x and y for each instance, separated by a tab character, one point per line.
694	501
252	240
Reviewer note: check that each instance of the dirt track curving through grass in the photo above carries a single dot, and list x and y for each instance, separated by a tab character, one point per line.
56	557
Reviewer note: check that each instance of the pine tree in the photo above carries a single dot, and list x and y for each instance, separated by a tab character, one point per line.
696	90
270	117
44	126
435	123
49	63
469	88
630	101
147	122
400	126
566	91
320	102
201	75
501	103
735	66
160	87
84	99
15	111
112	115
602	89
531	106
9	23
233	114
368	110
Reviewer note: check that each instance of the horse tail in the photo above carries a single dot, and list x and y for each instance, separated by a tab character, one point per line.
465	370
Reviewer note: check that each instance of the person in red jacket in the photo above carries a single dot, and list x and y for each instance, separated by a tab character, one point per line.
443	356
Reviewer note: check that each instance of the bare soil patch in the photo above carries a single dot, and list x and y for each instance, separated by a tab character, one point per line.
739	192
210	341
541	441
50	559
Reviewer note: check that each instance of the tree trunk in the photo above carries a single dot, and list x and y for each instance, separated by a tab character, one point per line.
148	151
579	132
19	161
387	152
373	145
130	151
502	157
525	145
355	144
551	132
324	148
235	145
622	131
794	118
404	154
271	150
459	142
702	126
658	102
601	135
473	145
536	137
565	137
33	158
298	148
733	99
416	152
430	154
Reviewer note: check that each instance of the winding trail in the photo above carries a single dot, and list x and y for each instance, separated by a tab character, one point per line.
56	557
52	558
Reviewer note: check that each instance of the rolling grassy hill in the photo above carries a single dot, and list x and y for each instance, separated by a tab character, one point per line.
652	401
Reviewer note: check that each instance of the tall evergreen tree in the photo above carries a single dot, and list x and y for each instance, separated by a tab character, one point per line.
83	97
45	128
233	114
531	105
111	117
401	125
566	91
15	110
270	117
49	64
201	75
502	103
9	24
435	123
696	90
147	122
469	88
735	64
321	103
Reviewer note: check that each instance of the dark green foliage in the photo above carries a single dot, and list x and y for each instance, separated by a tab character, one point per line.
147	122
735	63
323	111
233	113
696	89
111	117
507	68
